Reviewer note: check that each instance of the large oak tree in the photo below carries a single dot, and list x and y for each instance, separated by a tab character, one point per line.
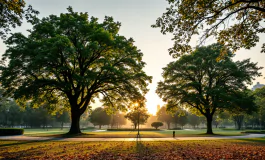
200	83
73	59
234	23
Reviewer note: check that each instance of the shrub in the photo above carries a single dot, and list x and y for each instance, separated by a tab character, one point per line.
156	124
130	129
177	128
222	127
11	131
254	131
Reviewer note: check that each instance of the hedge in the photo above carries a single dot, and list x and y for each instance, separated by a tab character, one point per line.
129	129
254	131
178	128
11	131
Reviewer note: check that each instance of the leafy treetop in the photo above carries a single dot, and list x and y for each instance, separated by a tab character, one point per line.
235	23
12	13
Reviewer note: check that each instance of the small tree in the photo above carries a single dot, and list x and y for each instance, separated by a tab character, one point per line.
117	119
193	120
138	115
156	124
164	116
242	105
63	117
100	117
183	119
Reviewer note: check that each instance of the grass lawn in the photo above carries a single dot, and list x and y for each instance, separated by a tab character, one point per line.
213	149
129	134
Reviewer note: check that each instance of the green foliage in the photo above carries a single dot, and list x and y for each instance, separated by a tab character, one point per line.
99	117
37	117
157	124
63	117
138	115
234	23
199	82
194	120
182	119
118	119
69	60
11	131
260	102
164	116
12	14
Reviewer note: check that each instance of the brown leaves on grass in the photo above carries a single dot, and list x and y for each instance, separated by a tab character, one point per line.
213	150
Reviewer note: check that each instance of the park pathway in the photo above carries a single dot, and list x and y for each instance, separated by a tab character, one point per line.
29	138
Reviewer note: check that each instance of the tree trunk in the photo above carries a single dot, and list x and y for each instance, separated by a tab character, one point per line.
75	127
239	119
61	125
168	125
209	124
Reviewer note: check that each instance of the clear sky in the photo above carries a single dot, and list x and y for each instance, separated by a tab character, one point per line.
136	17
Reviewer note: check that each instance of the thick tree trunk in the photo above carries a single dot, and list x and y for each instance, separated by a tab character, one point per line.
209	124
75	127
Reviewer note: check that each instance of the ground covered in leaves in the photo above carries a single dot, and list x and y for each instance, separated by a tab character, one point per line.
211	149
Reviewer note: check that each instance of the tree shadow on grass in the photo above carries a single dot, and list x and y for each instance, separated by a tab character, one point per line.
133	150
21	142
254	140
216	135
66	135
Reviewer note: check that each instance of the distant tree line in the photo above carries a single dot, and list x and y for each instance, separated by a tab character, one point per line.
12	115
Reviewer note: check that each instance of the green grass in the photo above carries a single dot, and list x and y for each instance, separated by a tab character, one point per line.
219	149
129	134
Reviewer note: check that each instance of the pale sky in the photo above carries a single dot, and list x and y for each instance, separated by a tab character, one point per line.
136	17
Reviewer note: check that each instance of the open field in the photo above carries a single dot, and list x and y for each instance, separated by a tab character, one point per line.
213	149
129	134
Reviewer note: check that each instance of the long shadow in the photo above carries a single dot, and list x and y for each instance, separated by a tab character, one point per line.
28	141
66	135
255	140
121	150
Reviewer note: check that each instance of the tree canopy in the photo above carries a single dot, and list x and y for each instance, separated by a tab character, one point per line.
202	84
259	94
118	119
156	124
164	116
234	23
99	117
73	59
12	13
138	115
